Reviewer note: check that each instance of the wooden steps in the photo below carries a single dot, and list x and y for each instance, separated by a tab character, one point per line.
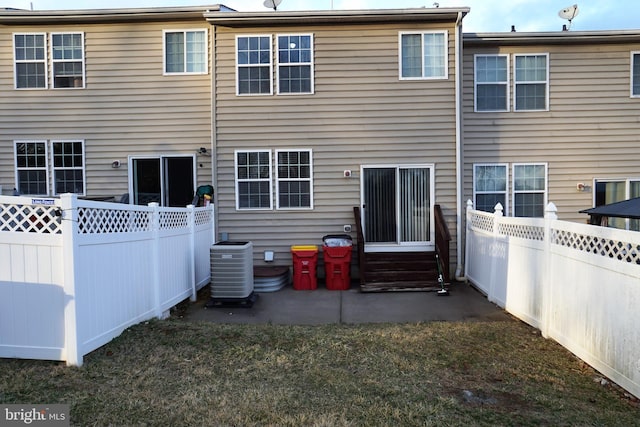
399	271
403	271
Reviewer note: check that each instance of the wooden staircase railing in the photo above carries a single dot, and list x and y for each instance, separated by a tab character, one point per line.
443	237
360	243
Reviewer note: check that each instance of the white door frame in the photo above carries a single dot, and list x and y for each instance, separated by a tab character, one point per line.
401	246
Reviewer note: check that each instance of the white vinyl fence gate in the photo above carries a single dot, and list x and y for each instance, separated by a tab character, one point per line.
74	273
579	284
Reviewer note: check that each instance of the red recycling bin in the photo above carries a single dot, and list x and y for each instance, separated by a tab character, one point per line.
337	261
305	262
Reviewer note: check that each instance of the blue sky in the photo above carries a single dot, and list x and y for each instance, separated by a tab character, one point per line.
485	16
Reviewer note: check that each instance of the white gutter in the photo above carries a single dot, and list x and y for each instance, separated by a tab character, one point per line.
459	275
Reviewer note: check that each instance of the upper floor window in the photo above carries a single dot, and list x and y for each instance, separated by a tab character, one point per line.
491	83
185	52
423	55
30	61
295	63
253	179
254	69
294	174
531	79
67	55
635	74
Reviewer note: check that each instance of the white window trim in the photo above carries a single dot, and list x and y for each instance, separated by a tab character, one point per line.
54	168
53	61
310	179
278	64
185	72
627	181
422	77
516	83
507	83
627	192
17	169
270	36
15	62
237	180
546	184
506	190
633	54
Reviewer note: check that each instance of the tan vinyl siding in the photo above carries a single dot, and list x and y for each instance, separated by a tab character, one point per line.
591	130
360	114
127	108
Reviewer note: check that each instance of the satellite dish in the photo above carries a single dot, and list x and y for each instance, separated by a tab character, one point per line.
272	4
569	13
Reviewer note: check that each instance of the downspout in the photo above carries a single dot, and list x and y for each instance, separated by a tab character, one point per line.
214	127
459	275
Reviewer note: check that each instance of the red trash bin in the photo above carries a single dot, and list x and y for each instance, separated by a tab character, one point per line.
305	262
337	261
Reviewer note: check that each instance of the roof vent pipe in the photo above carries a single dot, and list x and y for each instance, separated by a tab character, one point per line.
513	28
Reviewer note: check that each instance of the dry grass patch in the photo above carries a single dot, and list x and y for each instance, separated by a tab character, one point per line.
436	374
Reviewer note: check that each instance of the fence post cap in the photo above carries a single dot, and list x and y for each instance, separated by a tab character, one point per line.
498	208
469	204
551	211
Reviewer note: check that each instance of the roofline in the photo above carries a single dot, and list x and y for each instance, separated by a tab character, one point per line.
551	37
248	19
19	16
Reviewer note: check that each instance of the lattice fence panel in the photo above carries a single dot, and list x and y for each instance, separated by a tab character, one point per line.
616	249
530	232
203	216
94	221
481	221
30	218
173	220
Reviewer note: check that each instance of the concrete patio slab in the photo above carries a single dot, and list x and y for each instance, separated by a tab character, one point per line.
321	306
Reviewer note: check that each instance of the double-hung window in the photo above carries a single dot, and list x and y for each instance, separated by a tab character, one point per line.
491	82
30	61
423	55
185	52
635	74
531	80
528	184
253	179
67	55
254	66
68	167
294	174
490	186
36	160
295	63
529	189
31	167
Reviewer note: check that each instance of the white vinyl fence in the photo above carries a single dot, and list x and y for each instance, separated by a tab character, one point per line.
579	284
74	273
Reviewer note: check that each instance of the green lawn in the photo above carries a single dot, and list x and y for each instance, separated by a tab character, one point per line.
175	372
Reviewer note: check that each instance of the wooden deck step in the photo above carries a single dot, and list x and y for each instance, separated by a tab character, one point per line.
400	271
404	286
